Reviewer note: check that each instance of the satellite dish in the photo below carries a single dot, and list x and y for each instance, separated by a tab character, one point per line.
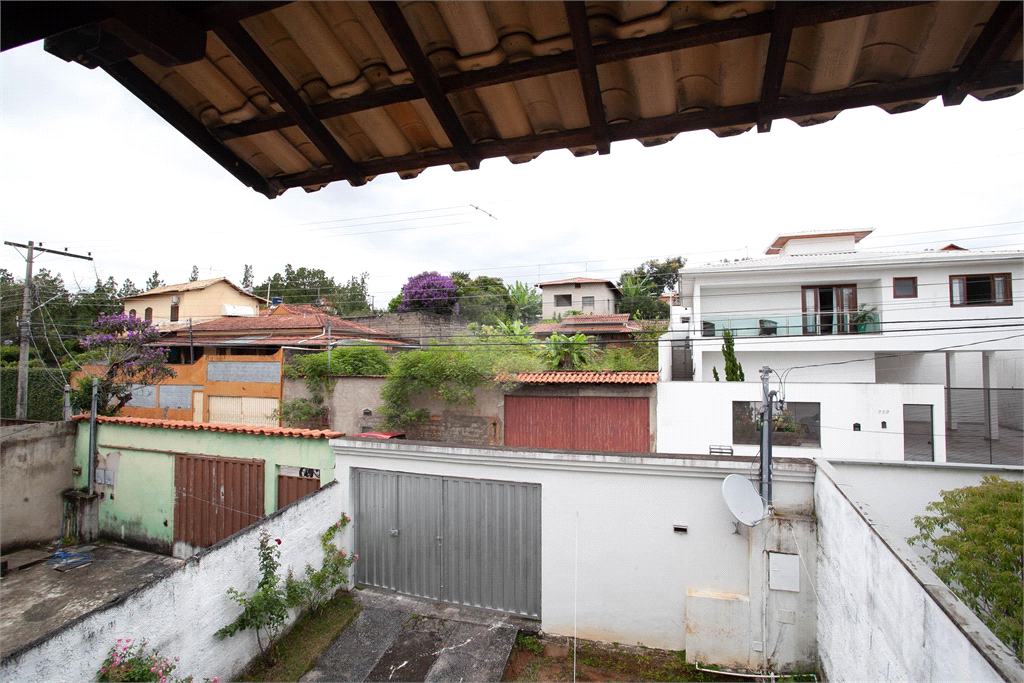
744	502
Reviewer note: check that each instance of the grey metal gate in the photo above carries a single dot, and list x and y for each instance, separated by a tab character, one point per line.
918	433
465	541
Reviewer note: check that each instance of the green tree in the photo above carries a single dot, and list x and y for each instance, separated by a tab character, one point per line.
733	369
128	289
482	299
154	281
247	278
10	307
663	275
302	286
353	297
974	544
644	308
525	303
449	374
561	352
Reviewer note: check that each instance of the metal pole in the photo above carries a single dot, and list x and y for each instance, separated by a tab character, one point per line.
67	401
21	411
191	348
766	437
328	346
92	438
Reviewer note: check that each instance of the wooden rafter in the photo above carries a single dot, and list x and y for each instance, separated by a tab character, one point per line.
256	62
1003	75
668	41
1002	26
775	64
425	77
583	49
158	31
132	78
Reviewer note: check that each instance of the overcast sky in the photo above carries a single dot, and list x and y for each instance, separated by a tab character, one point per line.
89	167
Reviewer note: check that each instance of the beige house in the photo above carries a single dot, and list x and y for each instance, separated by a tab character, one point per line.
589	296
200	300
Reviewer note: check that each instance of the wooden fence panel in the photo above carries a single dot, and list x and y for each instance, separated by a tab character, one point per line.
290	489
215	497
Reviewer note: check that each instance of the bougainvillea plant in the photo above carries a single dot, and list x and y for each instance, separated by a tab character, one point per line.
430	291
125	345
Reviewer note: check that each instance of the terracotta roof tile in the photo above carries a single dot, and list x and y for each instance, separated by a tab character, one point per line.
580	377
286	321
215	427
604	318
191	286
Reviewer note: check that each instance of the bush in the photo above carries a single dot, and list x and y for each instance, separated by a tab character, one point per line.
355	360
975	546
45	393
302	413
644	308
450	374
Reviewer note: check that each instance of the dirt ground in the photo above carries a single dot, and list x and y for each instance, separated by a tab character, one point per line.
550	659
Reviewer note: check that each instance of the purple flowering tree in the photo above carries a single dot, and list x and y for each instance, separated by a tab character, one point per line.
430	291
126	346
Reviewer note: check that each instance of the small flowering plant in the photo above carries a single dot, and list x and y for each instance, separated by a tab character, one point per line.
128	661
127	347
320	585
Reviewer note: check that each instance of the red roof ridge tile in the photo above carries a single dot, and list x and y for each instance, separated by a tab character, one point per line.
214	426
580	377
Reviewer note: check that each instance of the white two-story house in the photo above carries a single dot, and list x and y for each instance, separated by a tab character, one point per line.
890	342
586	295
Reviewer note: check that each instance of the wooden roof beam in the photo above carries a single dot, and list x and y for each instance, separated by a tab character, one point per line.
132	78
401	35
1002	26
775	64
157	31
579	29
251	56
1002	76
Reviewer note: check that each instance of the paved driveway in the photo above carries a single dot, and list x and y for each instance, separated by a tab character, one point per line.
398	638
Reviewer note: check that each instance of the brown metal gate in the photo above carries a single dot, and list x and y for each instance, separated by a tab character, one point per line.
578	423
290	489
215	497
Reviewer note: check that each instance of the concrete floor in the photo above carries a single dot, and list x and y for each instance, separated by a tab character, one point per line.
400	638
37	599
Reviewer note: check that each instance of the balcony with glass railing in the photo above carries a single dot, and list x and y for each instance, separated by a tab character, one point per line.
795	325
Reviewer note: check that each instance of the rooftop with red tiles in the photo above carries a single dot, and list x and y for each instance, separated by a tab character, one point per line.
580	377
214	427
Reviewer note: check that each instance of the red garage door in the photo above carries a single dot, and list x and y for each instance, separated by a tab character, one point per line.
578	423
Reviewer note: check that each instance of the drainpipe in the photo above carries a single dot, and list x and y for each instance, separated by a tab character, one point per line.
67	402
92	438
766	436
191	348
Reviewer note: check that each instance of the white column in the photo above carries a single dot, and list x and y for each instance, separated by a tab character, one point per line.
991	398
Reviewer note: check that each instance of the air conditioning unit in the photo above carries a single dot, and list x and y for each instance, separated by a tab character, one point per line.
175	299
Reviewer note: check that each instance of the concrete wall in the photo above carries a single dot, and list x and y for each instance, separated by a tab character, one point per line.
695	415
179	613
35	467
138	509
418	326
351	396
613	569
899	491
882	613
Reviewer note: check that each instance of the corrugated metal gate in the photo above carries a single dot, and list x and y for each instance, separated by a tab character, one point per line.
464	541
215	497
290	489
578	423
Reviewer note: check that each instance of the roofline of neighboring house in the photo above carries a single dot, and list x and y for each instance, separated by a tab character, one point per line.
214	427
781	240
184	287
580	377
857	260
581	281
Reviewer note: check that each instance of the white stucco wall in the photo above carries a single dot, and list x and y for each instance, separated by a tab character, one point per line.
695	415
608	519
807	366
606	299
883	615
179	613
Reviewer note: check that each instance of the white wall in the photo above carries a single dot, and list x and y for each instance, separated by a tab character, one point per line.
609	520
883	615
605	299
809	366
179	614
695	415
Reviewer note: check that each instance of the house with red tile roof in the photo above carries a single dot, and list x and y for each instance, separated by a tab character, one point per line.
614	329
172	306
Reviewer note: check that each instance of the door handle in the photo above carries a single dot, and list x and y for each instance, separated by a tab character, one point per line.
394	532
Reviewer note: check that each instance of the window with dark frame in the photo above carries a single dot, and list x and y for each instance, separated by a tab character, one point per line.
798	425
149	315
904	288
980	290
563	300
174	313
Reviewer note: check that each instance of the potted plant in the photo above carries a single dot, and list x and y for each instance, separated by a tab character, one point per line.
863	318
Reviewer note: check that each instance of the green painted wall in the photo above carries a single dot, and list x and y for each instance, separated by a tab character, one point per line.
139	507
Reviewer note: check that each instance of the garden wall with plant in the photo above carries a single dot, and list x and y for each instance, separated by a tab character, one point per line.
181	613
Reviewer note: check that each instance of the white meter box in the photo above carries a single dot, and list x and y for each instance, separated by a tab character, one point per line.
784	572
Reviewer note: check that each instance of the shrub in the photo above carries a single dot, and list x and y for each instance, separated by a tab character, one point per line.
450	374
320	585
355	360
974	544
733	368
266	609
128	661
45	393
302	413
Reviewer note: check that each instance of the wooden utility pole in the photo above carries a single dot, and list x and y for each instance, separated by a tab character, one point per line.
21	411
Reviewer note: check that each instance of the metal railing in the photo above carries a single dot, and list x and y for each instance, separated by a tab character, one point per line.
781	325
985	426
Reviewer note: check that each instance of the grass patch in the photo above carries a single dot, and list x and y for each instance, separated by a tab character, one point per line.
296	653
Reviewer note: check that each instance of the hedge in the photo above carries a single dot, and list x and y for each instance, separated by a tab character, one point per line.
45	400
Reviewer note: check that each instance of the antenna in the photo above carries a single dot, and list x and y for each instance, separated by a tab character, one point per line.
744	502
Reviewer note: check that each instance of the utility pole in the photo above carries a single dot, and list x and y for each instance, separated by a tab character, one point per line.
328	346
21	411
766	435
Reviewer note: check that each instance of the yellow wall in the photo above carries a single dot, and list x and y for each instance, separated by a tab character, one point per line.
200	304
